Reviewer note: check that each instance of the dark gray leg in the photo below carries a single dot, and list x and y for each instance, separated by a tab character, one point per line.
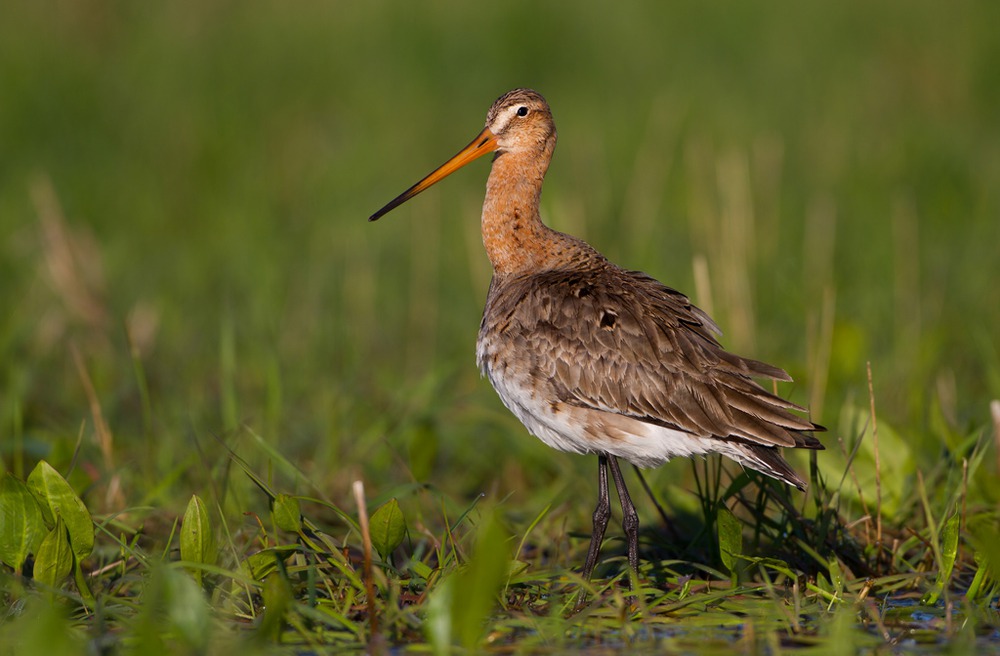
601	514
630	518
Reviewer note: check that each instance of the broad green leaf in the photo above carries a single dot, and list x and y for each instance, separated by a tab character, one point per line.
287	513
57	498
479	583
730	539
387	528
261	564
949	547
420	569
197	537
896	455
187	609
21	524
174	616
54	560
277	597
978	579
949	551
83	587
440	618
836	577
459	607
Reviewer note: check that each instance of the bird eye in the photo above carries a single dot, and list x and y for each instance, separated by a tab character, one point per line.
522	111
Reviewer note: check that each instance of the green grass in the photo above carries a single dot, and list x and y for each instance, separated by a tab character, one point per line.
192	294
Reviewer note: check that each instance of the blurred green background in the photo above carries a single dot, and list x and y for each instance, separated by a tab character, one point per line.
184	190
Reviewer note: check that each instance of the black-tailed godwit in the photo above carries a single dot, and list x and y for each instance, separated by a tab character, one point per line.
593	358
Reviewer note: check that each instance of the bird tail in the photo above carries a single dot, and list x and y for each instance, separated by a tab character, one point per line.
768	460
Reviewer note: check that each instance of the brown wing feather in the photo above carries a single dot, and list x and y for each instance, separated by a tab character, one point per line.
621	342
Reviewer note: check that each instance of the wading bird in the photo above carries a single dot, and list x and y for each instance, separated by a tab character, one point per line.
593	358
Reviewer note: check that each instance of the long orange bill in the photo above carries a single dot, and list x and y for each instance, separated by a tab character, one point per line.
486	142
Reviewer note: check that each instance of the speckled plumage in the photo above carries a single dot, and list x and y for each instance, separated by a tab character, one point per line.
637	357
595	358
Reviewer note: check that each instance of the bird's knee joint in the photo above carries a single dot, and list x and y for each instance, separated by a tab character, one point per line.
602	513
630	523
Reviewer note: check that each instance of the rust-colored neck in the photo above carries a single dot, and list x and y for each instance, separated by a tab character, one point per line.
515	238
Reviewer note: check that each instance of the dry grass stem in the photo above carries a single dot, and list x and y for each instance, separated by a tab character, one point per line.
113	496
703	284
878	468
736	263
366	542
